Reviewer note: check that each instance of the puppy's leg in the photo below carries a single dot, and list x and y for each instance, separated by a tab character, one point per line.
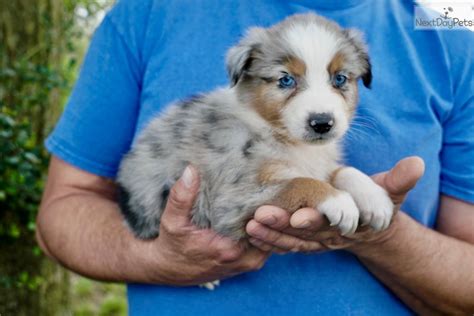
338	206
376	208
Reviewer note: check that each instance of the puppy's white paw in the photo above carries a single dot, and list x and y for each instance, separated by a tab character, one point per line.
210	285
341	210
376	207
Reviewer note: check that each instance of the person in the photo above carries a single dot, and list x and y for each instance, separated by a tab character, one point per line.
148	53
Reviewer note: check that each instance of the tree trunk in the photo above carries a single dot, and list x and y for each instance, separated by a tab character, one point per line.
35	44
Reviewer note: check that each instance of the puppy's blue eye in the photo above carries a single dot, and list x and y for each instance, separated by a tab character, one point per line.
287	82
339	80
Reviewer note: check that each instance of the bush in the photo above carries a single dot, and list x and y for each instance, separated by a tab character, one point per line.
113	306
41	43
21	176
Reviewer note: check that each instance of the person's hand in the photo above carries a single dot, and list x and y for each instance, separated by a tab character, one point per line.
189	255
307	230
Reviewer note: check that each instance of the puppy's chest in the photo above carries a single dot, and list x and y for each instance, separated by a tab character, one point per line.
317	162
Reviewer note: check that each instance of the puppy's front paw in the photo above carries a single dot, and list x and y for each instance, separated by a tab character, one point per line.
341	210
210	285
376	207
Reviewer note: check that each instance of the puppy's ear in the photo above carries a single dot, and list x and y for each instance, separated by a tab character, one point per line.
367	75
356	39
239	58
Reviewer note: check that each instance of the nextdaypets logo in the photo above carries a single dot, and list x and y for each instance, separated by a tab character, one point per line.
446	12
444	16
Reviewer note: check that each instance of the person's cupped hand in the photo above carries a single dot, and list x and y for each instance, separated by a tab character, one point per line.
307	230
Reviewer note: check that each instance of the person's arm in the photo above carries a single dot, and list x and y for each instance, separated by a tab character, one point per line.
431	272
79	224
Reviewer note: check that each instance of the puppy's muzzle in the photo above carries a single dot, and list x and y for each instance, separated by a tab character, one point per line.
321	123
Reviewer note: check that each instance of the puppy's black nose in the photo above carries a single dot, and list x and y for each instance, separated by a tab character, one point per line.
321	123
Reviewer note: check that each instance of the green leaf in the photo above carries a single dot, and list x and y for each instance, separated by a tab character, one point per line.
31	226
7	72
14	231
37	251
23	277
32	157
7	120
13	160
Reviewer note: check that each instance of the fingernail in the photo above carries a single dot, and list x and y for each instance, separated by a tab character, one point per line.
270	220
187	177
255	241
304	224
252	229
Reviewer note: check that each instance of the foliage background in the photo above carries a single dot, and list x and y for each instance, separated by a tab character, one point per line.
41	45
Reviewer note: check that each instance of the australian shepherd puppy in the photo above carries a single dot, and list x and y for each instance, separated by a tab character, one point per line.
271	137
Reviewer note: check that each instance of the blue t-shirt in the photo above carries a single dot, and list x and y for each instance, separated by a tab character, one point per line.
148	53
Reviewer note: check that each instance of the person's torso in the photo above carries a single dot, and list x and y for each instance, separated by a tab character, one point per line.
183	53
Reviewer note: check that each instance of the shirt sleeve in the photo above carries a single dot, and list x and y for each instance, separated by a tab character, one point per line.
457	154
98	123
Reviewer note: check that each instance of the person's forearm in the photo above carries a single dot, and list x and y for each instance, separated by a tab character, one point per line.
429	271
85	232
417	305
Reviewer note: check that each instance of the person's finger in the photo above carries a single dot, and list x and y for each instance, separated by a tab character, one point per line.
337	242
326	233
304	234
309	219
401	178
181	198
276	218
272	216
252	259
266	247
260	244
280	240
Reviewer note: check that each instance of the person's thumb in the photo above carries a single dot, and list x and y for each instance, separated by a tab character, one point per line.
401	178
181	197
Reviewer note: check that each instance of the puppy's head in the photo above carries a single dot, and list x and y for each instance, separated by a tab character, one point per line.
301	76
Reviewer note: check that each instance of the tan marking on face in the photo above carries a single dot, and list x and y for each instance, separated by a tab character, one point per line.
296	66
267	105
303	192
283	137
352	98
350	95
270	105
335	66
337	63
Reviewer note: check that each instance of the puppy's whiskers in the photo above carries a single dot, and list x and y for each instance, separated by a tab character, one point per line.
365	123
362	127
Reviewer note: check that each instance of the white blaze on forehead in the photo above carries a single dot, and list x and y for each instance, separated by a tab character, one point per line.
315	45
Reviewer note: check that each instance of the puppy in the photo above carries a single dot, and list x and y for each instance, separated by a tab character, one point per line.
271	137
